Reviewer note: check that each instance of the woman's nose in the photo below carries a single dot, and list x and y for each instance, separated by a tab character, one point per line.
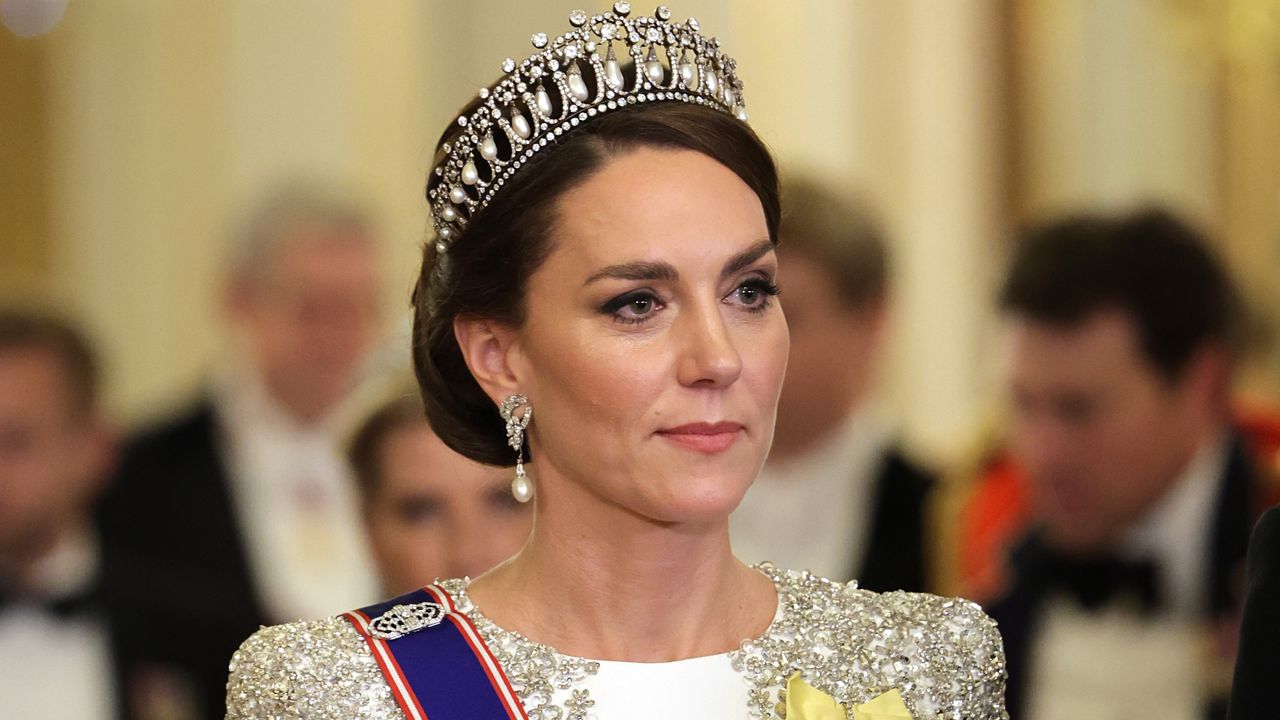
709	356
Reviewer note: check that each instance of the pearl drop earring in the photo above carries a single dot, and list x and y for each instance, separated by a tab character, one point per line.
521	485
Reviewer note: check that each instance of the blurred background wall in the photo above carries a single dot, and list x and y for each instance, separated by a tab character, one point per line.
133	131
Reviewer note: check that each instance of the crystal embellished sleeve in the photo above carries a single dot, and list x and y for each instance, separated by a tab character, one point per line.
983	653
950	642
943	655
307	671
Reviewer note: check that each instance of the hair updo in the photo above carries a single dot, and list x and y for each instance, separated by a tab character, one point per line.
484	272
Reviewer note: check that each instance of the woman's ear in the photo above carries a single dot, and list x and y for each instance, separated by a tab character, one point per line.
487	348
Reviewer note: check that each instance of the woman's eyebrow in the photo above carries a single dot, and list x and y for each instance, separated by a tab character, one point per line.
641	270
742	260
636	271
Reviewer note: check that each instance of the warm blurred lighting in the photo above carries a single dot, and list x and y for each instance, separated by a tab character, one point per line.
28	18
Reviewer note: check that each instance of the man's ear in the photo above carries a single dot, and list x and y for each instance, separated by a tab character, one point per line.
488	348
100	455
1208	379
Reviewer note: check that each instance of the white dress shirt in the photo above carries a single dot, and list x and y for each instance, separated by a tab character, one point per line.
1116	664
1177	533
813	512
297	504
53	667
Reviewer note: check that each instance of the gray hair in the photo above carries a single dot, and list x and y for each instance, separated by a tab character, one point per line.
265	228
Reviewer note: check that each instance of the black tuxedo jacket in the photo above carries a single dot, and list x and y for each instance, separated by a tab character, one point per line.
896	554
1255	690
174	561
1018	611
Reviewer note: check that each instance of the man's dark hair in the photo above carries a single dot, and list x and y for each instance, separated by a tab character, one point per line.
1149	265
23	330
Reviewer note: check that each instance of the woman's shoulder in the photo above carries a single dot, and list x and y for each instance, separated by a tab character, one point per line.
898	608
943	654
314	669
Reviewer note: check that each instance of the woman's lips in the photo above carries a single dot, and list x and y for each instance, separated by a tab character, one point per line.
704	437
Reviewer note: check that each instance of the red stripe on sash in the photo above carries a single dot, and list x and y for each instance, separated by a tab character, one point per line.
497	677
405	698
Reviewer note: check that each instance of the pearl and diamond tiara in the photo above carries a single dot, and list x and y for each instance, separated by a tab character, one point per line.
569	80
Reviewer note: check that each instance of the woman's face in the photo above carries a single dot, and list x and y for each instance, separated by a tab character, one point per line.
433	513
653	348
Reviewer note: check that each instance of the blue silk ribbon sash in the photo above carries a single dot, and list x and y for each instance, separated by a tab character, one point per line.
438	666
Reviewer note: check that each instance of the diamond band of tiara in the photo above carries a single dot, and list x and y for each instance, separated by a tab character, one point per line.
568	81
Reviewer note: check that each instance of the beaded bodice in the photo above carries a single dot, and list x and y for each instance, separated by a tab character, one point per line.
943	654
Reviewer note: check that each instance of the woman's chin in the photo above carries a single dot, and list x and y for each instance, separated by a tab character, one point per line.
706	501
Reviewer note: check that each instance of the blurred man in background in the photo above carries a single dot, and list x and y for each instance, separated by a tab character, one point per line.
57	649
837	497
1121	591
430	513
241	510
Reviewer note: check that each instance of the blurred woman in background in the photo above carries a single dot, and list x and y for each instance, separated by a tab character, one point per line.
430	513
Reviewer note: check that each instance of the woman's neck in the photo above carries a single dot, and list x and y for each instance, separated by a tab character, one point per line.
610	585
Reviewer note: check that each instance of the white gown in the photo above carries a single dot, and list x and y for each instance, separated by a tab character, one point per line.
942	654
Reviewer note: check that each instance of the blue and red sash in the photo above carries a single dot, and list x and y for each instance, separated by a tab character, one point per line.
436	663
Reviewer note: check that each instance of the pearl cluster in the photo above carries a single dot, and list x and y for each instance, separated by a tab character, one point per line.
568	81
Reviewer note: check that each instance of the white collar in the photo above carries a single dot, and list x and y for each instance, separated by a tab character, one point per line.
813	511
68	568
1177	531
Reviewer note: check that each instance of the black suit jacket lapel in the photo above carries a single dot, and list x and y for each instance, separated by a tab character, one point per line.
895	550
1229	545
1017	614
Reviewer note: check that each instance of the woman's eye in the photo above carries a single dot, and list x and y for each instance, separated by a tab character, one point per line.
754	294
500	499
632	308
419	510
640	306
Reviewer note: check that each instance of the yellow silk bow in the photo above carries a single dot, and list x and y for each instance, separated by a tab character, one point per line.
806	702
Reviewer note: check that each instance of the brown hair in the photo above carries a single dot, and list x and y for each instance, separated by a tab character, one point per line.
26	330
486	267
839	233
403	411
